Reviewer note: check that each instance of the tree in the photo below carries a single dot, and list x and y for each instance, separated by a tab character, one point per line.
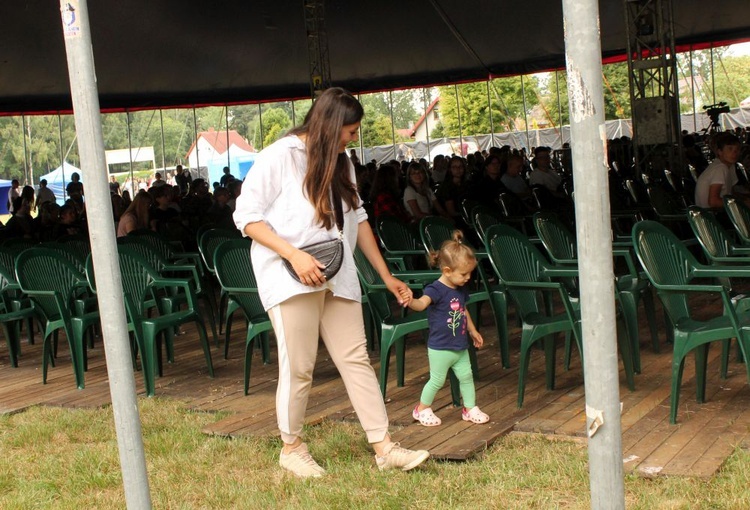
276	122
732	79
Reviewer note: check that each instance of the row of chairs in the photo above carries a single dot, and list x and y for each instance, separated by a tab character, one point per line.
528	279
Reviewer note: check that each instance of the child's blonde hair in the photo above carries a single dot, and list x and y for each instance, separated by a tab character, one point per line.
453	253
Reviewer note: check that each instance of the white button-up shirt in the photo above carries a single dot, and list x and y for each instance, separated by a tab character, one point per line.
273	192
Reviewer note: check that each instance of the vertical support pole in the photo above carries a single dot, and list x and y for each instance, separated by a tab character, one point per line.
260	125
692	92
492	120
80	57
598	317
226	113
62	156
27	168
559	109
460	122
525	117
393	127
133	184
197	151
426	124
163	146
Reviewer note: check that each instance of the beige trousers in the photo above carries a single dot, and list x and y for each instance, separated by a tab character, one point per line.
298	322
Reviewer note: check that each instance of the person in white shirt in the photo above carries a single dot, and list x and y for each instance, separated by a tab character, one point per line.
720	177
543	173
13	193
285	204
44	194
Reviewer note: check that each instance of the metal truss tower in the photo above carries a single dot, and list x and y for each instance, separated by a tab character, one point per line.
317	47
654	94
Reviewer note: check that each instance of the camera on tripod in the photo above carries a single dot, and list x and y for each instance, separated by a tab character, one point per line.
714	110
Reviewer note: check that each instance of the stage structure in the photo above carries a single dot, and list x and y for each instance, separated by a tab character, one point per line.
317	47
654	95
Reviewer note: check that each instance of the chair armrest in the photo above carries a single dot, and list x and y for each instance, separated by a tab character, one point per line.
721	272
560	272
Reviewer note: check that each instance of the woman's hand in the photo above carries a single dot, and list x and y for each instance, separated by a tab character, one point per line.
399	289
307	268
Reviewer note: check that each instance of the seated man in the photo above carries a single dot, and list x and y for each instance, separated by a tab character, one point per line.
543	173
720	177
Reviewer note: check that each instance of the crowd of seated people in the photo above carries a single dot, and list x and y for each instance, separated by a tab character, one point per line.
159	207
412	190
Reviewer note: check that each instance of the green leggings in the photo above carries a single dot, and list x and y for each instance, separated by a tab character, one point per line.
440	362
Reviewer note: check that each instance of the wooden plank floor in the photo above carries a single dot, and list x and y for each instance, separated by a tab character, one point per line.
706	434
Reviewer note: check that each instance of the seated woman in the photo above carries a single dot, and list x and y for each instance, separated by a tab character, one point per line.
487	189
136	215
454	189
385	194
419	199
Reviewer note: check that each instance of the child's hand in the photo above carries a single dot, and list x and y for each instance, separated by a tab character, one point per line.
476	338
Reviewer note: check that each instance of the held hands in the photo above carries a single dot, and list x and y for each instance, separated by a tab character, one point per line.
476	337
399	289
307	268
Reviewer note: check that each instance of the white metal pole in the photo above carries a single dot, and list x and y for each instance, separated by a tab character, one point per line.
588	141
80	56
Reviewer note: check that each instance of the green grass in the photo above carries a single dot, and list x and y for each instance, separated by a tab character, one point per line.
68	459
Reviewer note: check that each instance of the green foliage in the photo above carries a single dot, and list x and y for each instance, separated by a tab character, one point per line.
616	91
276	122
732	79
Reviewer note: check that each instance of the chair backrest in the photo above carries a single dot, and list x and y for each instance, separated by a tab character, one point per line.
137	275
434	231
663	201
666	261
467	208
515	259
43	269
144	248
161	244
711	235
739	215
76	257
234	270
483	218
557	239
210	239
395	235
369	278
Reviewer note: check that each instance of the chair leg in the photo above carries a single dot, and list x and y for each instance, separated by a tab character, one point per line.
678	364
549	360
249	343
726	345
701	361
625	343
206	347
227	334
11	338
523	368
648	305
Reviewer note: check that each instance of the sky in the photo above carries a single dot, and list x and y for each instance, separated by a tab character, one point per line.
737	50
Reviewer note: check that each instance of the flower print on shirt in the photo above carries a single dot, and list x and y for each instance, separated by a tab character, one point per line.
456	316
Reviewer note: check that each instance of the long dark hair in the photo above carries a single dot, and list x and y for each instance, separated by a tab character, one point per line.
327	168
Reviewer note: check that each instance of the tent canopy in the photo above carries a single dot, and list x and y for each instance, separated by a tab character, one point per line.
183	52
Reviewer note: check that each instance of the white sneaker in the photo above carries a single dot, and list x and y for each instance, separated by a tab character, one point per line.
396	457
300	463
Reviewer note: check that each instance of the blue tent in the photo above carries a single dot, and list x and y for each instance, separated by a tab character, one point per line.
59	178
4	189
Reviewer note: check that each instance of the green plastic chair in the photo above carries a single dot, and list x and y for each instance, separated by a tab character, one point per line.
175	269
401	243
739	215
52	282
234	270
630	288
434	231
717	244
139	281
673	270
10	292
208	240
527	274
393	329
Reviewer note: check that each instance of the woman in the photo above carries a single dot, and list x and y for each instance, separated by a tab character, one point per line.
454	188
385	194
419	199
284	205
136	215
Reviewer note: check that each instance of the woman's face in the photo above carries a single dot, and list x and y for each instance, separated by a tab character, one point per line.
514	167
457	169
492	168
416	176
349	134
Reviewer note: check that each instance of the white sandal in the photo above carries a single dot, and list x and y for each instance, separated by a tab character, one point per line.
426	417
475	415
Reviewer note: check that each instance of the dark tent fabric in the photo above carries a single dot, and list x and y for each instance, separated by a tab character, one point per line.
183	52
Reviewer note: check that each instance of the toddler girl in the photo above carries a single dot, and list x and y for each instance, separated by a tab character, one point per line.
447	346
